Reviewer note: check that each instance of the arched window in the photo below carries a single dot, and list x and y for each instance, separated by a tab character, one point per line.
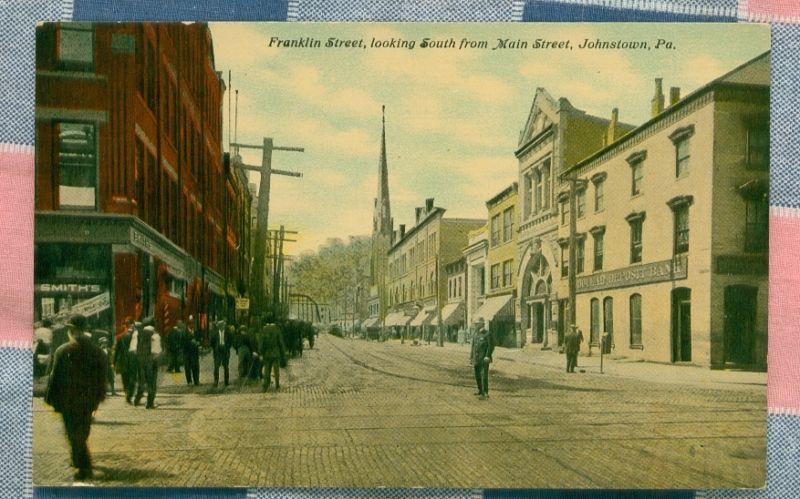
608	322
636	320
594	322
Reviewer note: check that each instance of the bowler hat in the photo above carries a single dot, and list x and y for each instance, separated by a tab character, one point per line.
77	321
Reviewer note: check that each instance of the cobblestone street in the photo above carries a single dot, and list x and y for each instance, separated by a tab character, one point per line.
353	413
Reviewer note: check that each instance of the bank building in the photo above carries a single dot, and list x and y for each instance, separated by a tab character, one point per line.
671	229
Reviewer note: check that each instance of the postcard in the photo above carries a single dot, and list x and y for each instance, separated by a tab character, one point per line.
401	255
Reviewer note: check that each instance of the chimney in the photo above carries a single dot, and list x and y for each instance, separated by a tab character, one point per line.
419	213
674	95
611	133
402	231
657	104
428	205
394	237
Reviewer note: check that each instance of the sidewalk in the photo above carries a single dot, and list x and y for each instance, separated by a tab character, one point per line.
517	361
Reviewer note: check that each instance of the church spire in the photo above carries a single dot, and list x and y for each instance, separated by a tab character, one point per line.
382	216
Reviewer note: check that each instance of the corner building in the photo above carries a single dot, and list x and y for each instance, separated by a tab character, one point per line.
137	213
556	135
675	229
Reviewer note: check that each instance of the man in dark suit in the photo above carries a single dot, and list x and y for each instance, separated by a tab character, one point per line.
272	350
75	389
481	357
191	353
220	339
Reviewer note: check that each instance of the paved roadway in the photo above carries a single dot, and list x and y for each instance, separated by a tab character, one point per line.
353	413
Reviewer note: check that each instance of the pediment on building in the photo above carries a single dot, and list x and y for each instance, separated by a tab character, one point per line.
543	113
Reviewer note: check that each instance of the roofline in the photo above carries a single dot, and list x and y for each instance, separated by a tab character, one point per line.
708	87
497	197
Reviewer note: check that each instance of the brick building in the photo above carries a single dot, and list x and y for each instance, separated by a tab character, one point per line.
137	212
415	284
676	229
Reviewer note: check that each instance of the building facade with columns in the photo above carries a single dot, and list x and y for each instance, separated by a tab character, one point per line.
556	136
672	242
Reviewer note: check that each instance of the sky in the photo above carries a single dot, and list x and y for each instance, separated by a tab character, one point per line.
453	116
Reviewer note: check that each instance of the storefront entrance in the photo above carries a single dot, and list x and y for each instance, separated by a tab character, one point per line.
740	321
681	325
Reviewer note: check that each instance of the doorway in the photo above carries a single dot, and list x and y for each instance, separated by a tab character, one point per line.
740	321
537	322
681	325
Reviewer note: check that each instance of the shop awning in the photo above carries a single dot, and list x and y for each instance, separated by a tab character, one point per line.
452	314
371	322
494	306
423	317
397	319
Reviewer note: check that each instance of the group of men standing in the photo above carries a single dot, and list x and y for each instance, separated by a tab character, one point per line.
81	368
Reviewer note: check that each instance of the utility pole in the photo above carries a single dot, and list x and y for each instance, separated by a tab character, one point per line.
257	277
438	304
574	181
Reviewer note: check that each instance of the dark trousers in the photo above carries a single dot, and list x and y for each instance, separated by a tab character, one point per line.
482	377
77	425
221	358
572	361
148	378
175	359
191	366
274	365
245	361
132	381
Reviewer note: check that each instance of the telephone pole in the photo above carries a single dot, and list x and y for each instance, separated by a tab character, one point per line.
257	276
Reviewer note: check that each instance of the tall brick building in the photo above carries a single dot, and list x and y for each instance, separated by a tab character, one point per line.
137	212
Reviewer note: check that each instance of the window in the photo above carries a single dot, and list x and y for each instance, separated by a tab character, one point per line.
564	211
508	224
636	162
150	72
756	234
680	138
636	320
564	257
546	181
77	163
527	194
580	202
758	147
599	201
482	277
636	220
598	233
507	273
681	229
680	210
579	254
495	230
538	205
76	46
495	274
636	178
594	322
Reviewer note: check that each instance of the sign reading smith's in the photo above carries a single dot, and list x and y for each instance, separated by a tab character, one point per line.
666	270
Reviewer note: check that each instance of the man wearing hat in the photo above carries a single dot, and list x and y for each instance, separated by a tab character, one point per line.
220	339
481	356
572	346
75	389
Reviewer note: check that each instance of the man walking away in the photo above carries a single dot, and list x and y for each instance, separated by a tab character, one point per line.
481	357
148	353
221	339
76	388
273	350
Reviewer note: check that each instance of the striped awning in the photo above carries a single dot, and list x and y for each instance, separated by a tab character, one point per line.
494	306
424	317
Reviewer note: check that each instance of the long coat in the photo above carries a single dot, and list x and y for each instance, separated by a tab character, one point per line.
78	381
271	343
482	347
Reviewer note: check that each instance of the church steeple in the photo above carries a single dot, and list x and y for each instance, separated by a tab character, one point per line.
382	216
382	224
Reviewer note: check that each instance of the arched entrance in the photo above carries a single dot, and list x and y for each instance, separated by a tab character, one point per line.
536	299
